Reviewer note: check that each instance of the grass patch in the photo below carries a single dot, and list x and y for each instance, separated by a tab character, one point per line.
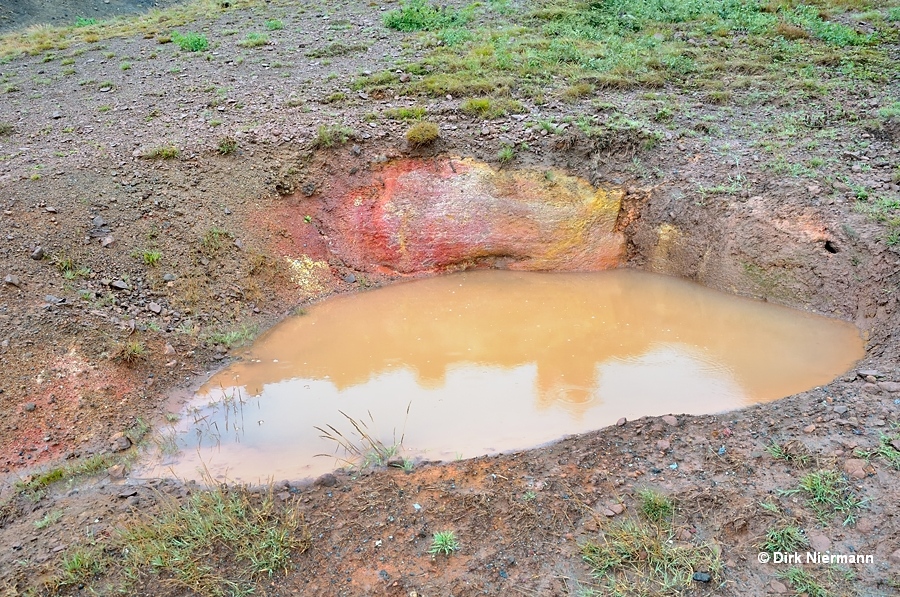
232	338
410	113
634	557
274	25
490	108
150	257
793	451
784	539
190	41
888	450
215	533
335	49
803	582
443	542
828	494
422	133
419	15
165	152
655	506
48	519
71	470
227	145
154	23
214	240
328	136
254	40
130	352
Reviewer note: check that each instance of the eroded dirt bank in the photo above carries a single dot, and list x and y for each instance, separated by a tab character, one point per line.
127	275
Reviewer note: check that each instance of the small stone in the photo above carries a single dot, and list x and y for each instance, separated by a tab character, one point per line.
119	442
169	277
119	285
896	444
871	379
663	445
889	386
155	308
356	150
116	471
856	468
591	526
617	508
127	493
895	557
670	420
621	422
865	526
840	409
98	222
50	210
864	373
53	300
106	241
702	577
608	513
809	429
56	115
38	253
30	406
778	587
818	542
326	480
169	350
12	280
349	278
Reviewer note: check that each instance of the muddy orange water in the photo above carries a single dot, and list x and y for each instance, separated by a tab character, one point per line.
490	361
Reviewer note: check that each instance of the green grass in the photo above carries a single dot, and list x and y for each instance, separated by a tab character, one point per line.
443	542
654	506
130	352
336	48
219	542
784	539
634	557
190	41
422	133
213	240
48	519
151	257
227	145
574	48
254	40
419	15
234	337
70	470
274	25
410	113
166	152
829	494
85	22
490	108
6	129
885	450
506	154
793	451
79	566
803	582
328	136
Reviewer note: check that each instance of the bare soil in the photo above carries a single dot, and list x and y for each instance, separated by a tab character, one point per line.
77	183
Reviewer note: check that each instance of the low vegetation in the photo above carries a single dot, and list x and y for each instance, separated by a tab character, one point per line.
328	136
422	133
638	556
165	152
443	542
